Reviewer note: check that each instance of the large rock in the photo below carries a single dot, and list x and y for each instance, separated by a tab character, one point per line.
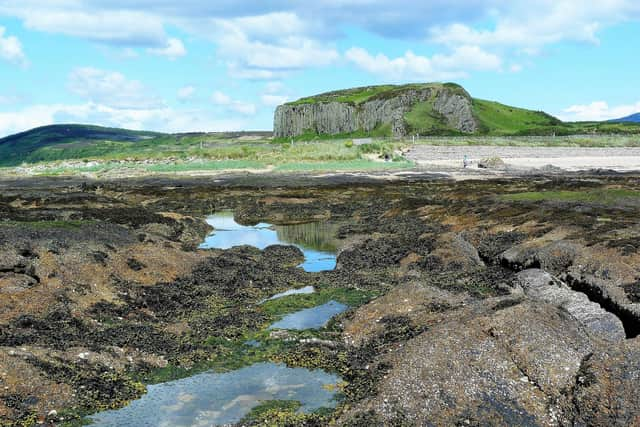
540	285
331	118
512	366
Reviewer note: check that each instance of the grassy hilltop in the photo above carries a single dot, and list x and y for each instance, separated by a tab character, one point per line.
494	118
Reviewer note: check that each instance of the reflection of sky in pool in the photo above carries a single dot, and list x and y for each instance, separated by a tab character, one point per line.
310	318
229	233
210	399
300	291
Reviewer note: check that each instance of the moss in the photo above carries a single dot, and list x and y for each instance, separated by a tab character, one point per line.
292	303
269	410
606	196
66	225
360	95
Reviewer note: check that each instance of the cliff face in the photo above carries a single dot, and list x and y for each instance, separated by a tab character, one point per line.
451	107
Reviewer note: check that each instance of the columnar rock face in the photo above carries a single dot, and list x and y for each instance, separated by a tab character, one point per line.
333	117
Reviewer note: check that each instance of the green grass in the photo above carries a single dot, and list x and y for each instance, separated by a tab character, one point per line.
293	303
66	225
207	166
359	95
601	196
351	165
499	119
423	120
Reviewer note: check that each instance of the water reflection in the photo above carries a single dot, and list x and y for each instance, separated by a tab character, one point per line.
310	318
300	291
314	239
210	399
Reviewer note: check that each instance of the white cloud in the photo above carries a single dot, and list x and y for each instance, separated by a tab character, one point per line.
273	100
186	93
173	50
287	54
111	88
220	98
416	67
239	71
11	49
224	100
163	119
273	87
526	28
124	26
598	110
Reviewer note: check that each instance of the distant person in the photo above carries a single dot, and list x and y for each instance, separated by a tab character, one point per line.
465	161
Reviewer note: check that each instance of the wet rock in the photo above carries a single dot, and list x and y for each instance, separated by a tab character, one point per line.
374	253
284	255
555	257
485	369
11	283
452	253
494	244
605	391
540	285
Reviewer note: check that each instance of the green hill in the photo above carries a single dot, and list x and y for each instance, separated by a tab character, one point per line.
57	142
426	117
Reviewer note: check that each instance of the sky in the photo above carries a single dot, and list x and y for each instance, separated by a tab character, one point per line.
202	65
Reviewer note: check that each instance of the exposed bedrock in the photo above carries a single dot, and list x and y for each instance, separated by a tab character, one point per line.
542	286
331	118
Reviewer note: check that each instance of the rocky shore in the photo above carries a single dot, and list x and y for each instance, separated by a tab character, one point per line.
493	302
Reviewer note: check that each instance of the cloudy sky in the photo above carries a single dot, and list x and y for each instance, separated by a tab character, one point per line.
207	65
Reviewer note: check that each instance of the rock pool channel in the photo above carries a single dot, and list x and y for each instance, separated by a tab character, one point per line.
314	239
211	398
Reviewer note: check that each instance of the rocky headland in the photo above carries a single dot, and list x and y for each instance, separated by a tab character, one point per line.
368	110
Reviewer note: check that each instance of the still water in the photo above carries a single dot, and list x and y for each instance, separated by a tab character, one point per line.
314	239
211	399
310	318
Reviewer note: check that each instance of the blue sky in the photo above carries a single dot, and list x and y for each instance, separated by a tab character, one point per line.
198	65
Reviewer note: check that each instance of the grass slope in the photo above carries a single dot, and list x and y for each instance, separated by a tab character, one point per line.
493	118
66	141
363	94
500	119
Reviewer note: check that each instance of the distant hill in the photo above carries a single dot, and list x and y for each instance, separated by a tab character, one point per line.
634	118
425	109
389	110
45	143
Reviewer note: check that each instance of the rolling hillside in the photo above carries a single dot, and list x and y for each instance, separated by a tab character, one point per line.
425	109
634	118
67	141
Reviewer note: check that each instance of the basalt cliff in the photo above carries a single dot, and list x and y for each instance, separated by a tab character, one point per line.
378	110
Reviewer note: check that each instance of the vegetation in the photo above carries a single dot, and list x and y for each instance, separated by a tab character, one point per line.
66	225
423	120
359	95
607	196
493	118
499	119
292	303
